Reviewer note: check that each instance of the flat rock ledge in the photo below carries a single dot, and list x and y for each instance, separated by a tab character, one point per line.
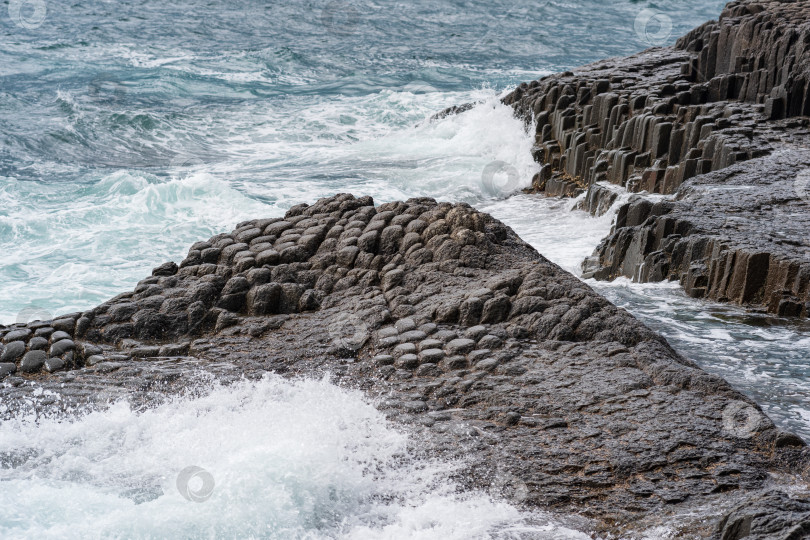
711	120
460	332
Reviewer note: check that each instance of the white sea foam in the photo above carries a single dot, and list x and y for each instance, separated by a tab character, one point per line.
301	459
555	227
70	246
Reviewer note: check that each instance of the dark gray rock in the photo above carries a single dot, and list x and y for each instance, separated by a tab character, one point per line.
52	365
405	325
145	352
489	342
430	344
572	397
94	359
59	335
12	351
719	120
431	356
38	343
459	346
738	235
383	360
88	349
6	369
17	335
412	336
766	517
33	361
404	348
44	331
61	347
165	269
407	361
65	325
264	299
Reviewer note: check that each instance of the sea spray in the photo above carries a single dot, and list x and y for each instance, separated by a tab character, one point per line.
72	245
283	459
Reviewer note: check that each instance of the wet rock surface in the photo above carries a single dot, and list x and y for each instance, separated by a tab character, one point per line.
729	91
456	328
737	235
721	120
773	515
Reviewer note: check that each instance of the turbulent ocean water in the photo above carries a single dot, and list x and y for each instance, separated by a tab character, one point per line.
130	130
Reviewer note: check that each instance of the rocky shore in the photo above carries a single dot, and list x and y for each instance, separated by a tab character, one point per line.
551	395
487	352
738	235
720	120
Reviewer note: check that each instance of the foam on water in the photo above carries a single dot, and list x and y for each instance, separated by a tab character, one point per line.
131	130
68	246
73	244
555	227
289	459
761	355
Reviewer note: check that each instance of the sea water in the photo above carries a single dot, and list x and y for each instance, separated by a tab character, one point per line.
129	130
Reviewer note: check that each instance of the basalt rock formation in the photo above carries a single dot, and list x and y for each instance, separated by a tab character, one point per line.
682	120
737	235
491	354
729	91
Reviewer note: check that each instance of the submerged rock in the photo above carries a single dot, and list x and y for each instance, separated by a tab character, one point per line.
462	331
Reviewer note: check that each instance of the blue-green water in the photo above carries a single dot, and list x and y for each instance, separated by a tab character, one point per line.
131	129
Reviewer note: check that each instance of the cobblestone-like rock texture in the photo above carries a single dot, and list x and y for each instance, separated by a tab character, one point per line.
456	328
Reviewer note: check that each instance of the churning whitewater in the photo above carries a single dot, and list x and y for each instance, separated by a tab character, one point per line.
131	131
275	459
